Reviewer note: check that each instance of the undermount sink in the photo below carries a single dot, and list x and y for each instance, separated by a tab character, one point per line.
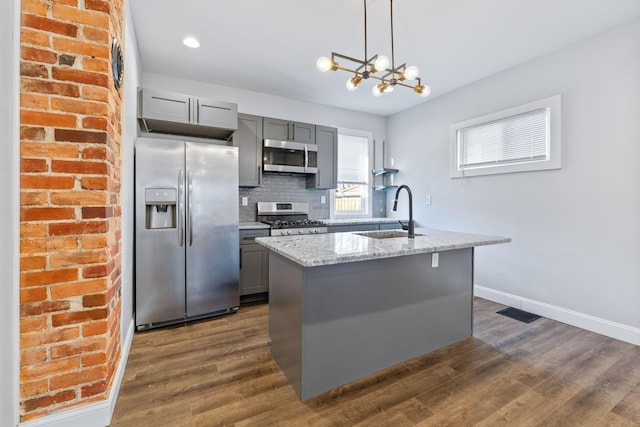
385	234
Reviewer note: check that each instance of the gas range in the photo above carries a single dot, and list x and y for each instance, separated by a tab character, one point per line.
289	218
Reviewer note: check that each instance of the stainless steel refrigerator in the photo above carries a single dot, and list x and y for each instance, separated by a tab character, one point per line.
186	245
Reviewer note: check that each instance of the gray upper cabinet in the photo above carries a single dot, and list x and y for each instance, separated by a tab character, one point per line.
284	130
248	139
174	113
327	175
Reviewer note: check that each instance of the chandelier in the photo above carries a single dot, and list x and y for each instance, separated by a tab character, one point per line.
376	67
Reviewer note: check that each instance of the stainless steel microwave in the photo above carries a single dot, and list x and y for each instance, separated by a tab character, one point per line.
287	156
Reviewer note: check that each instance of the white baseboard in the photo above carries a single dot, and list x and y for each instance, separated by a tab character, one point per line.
570	317
95	414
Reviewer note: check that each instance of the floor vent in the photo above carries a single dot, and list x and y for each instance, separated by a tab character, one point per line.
517	314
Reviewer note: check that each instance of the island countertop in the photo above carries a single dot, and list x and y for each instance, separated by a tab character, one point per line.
334	248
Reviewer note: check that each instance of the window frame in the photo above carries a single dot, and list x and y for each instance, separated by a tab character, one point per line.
332	193
554	160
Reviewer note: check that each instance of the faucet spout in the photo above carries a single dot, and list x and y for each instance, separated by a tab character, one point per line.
411	227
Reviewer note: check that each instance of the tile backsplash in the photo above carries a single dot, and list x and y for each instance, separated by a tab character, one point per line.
283	188
293	188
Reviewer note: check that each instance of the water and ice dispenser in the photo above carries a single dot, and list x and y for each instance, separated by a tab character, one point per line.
160	207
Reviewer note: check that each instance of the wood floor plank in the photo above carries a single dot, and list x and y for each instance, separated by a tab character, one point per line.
220	372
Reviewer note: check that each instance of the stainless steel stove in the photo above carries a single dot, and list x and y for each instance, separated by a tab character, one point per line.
289	218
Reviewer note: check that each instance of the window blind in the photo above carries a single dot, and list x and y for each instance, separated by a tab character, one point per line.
353	159
519	138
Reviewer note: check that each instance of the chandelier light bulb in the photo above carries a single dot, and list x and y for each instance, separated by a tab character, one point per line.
382	62
378	90
388	88
422	90
411	72
324	64
352	83
191	42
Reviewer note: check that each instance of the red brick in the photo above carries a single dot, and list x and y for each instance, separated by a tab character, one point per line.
46	182
31	69
94	358
80	136
47	119
44	401
47	244
73	14
28	36
96	34
93	389
32	133
98	65
83	198
32	356
97	212
49	25
33	295
95	300
78	347
95	93
34	309
94	183
79	167
33	165
34	388
61	292
50	336
37	262
32	324
94	242
97	5
80	48
34	6
34	101
94	153
38	55
32	198
43	214
76	258
75	228
94	123
49	150
74	317
44	86
78	76
48	277
94	271
33	230
75	378
73	105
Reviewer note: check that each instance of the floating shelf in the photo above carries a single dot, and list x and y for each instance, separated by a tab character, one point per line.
384	171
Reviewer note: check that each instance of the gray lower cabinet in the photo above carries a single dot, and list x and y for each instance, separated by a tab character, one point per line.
248	139
363	227
327	175
254	263
285	130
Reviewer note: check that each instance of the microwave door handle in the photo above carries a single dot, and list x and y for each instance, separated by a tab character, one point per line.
306	158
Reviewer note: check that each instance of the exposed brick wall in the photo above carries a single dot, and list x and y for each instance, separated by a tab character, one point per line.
70	131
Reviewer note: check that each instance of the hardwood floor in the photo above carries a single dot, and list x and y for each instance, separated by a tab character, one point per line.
220	372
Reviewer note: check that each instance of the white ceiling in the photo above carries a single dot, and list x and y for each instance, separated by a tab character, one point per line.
271	46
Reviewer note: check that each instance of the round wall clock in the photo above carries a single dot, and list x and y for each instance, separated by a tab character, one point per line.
117	63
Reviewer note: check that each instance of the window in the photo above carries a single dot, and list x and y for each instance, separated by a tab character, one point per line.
523	138
352	198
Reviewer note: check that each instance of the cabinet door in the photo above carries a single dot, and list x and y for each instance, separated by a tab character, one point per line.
276	129
248	139
253	269
172	107
327	141
303	132
216	113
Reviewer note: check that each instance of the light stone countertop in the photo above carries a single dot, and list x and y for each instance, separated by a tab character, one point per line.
252	225
334	248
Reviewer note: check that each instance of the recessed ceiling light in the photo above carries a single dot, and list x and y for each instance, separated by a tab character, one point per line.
191	42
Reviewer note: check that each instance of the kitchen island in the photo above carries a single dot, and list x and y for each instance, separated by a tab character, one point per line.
345	305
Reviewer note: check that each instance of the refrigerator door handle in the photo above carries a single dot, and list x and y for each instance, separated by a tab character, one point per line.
180	207
189	205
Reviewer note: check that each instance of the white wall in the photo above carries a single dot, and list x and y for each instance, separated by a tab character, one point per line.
9	214
576	231
273	106
132	79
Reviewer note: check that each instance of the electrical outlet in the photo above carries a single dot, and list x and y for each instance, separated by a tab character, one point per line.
323	199
245	201
427	200
435	258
